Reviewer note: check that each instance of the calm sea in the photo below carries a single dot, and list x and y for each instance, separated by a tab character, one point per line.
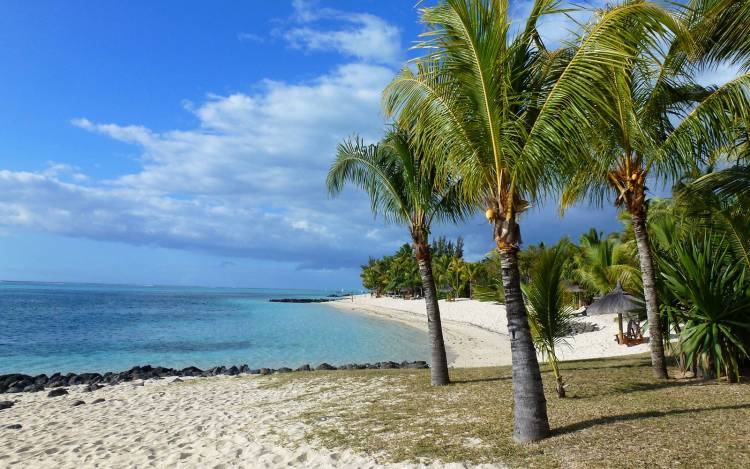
46	328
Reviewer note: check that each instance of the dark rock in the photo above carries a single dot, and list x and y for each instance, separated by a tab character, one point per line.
77	403
254	371
6	404
97	401
70	379
55	376
300	300
245	369
161	372
57	392
266	371
16	388
15	426
88	378
415	365
8	380
284	369
41	379
348	366
34	388
388	365
190	371
176	380
219	370
56	384
325	366
92	387
304	367
371	366
233	371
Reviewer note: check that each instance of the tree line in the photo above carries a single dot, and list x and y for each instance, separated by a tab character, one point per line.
490	118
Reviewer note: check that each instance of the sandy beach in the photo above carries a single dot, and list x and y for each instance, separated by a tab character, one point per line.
243	421
476	332
213	422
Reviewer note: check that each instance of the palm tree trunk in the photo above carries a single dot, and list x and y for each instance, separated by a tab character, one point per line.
658	361
439	365
559	383
530	406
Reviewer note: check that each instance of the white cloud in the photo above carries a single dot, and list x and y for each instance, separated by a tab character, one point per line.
249	180
360	35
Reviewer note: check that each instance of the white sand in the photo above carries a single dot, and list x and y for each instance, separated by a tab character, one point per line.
203	422
238	421
476	333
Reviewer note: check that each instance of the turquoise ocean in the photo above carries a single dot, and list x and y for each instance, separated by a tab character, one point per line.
46	328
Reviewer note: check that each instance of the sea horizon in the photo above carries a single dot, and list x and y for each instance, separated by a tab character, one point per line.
82	327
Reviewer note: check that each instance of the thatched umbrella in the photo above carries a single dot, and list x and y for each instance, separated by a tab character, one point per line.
616	301
577	291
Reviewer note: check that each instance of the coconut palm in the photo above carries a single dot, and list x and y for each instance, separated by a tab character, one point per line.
656	124
471	272
507	110
407	188
550	317
602	263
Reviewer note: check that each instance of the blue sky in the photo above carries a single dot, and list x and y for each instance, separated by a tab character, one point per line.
179	142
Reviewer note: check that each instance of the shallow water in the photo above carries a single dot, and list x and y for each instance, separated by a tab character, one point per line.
46	328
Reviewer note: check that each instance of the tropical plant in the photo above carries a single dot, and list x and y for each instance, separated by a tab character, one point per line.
407	188
471	273
602	263
715	303
507	111
656	123
374	275
550	316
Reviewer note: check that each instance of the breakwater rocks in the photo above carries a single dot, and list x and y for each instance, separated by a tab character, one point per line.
301	300
16	382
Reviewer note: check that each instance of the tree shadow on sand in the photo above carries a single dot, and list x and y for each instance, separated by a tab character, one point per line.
578	426
480	380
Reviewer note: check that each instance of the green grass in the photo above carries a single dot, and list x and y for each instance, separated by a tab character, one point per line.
616	415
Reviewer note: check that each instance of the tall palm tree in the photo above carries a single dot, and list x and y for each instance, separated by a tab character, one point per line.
507	110
407	188
656	123
471	272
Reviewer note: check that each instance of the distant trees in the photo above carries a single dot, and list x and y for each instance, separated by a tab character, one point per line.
394	274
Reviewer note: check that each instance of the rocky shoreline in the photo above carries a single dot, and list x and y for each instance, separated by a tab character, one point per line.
302	300
17	382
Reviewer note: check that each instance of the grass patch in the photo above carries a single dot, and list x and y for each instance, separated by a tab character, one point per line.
616	415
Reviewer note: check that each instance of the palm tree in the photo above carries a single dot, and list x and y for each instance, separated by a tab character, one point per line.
507	111
471	272
655	124
407	188
550	317
602	263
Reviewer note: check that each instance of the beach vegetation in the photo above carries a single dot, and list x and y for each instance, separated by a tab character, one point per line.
550	314
408	188
616	415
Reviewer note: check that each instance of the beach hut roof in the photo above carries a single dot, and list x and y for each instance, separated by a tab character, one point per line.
616	301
